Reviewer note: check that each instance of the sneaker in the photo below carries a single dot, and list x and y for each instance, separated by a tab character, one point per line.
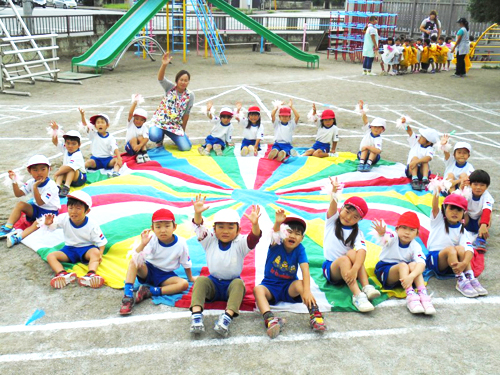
4	231
197	325
467	289
371	74
361	303
393	73
251	150
14	239
115	174
139	159
146	157
222	325
317	321
201	150
364	72
294	153
423	185
456	76
92	280
433	71
361	167
371	292
414	305
479	244
415	185
218	150
368	168
61	280
425	300
478	287
64	192
143	293
274	327
244	151
127	304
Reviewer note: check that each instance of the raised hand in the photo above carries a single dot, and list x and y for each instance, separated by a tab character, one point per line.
254	215
166	58
54	125
290	103
444	139
238	106
49	219
335	184
280	216
361	103
379	226
145	237
314	108
209	105
199	204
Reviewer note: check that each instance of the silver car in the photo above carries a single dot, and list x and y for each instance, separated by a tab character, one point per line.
64	4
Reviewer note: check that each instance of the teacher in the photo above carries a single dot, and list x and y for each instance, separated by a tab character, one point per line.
431	25
462	46
370	46
172	114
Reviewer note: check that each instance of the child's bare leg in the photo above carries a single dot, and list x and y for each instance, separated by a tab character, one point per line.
397	272
94	257
32	228
133	271
447	257
174	285
113	164
419	279
414	171
90	164
59	179
272	154
54	260
262	298
310	152
363	156
208	148
70	177
320	154
19	208
461	256
339	268
424	167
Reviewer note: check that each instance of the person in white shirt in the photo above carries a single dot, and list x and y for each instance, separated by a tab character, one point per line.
457	168
370	147
253	131
137	133
221	132
327	136
154	262
402	262
225	250
283	132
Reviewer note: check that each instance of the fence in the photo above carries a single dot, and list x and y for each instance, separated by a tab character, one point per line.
39	25
411	13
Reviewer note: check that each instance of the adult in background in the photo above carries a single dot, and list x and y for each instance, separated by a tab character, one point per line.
462	46
370	46
431	25
172	114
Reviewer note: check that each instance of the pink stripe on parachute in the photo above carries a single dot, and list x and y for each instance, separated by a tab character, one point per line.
266	168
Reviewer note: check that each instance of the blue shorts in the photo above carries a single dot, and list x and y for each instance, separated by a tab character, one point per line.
155	276
287	147
129	150
327	268
325	147
382	272
375	161
101	163
419	173
214	141
472	226
432	263
248	142
221	287
77	254
279	291
39	212
82	179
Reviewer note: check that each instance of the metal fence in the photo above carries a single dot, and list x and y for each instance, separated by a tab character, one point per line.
411	13
39	25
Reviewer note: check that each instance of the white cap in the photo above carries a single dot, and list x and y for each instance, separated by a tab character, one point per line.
378	121
82	197
226	215
225	111
38	159
460	145
141	113
94	118
430	134
73	133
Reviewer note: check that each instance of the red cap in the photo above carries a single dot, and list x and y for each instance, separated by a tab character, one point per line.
163	215
409	219
254	109
359	204
456	200
292	218
327	114
285	111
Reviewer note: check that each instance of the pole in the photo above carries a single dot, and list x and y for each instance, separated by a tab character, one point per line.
144	32
168	27
304	37
184	36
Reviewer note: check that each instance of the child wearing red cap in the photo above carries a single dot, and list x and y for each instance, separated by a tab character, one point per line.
221	132
370	147
328	134
283	132
450	246
154	262
137	135
402	262
253	131
281	284
345	249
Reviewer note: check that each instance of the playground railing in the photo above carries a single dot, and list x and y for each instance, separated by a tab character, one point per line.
71	24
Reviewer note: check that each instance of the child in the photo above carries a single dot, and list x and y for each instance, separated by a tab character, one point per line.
103	145
283	132
345	250
419	48
371	144
398	53
45	197
163	253
137	134
479	208
280	281
413	57
425	56
457	168
450	248
221	132
402	262
407	54
442	54
449	44
84	243
419	157
388	54
73	171
253	132
433	52
328	134
225	251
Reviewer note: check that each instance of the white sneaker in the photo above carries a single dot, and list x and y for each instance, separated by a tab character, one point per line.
222	325
364	72
251	150
139	159
218	150
197	325
146	157
371	292
361	303
371	74
244	151
293	152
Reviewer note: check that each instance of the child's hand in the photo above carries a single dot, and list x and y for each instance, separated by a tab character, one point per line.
379	227
360	104
350	276
308	299
38	182
49	219
290	103
238	107
280	216
82	111
145	238
209	105
483	232
412	164
199	204
136	148
444	139
335	184
314	108
193	279
12	175
166	58
256	151
406	282
254	215
53	125
458	267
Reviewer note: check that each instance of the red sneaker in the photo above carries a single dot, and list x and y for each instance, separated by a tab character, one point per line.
317	322
142	294
127	304
92	280
60	280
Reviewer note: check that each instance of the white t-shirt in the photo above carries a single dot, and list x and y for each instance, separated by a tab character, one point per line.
416	149
252	132
370	140
48	192
452	167
224	132
475	207
326	135
89	233
102	147
74	160
168	257
439	239
284	133
134	132
394	252
333	248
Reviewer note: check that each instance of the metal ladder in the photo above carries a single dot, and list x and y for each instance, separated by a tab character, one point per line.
177	42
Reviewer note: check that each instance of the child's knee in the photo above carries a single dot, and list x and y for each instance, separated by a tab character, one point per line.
317	153
411	265
184	285
94	254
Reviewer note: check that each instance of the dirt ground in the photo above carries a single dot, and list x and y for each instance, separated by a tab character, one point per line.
83	334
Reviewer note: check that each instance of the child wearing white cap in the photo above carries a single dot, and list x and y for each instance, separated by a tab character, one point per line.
45	199
420	155
221	132
457	168
370	147
84	243
103	145
137	133
72	172
225	251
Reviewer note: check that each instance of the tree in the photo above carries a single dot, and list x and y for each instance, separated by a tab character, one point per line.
485	10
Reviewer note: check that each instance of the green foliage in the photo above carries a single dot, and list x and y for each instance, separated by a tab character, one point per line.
485	10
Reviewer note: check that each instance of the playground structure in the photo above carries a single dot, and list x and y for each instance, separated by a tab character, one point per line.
486	49
346	30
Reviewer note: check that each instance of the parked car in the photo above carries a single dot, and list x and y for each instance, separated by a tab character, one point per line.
39	3
65	4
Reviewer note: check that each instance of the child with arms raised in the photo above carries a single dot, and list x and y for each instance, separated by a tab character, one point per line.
137	132
370	147
221	132
253	131
327	135
283	132
457	168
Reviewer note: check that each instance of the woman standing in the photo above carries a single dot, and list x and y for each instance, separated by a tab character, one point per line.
370	46
172	114
431	25
462	46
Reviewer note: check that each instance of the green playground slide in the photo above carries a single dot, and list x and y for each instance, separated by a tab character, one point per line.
269	35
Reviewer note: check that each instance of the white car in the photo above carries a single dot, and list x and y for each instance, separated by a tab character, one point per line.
39	3
64	4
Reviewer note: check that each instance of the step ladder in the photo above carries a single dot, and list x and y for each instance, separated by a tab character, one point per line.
177	27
